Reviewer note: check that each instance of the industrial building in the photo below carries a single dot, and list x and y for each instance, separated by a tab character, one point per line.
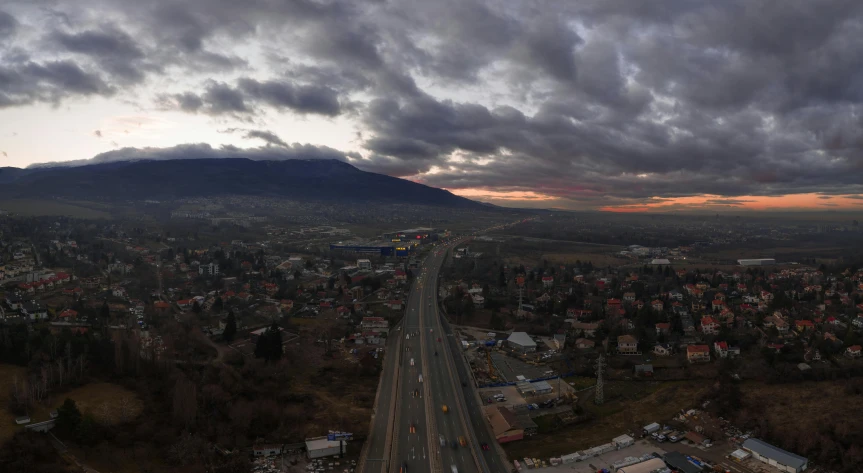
756	262
504	424
679	462
533	389
521	341
320	447
775	456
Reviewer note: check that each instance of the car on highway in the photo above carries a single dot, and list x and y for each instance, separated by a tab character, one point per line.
421	378
453	469
462	441
404	468
485	446
442	441
445	409
454	444
412	361
413	428
532	406
416	393
438	338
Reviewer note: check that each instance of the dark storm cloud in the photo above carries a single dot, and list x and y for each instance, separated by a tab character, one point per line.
220	98
30	82
206	151
303	99
8	25
113	49
269	137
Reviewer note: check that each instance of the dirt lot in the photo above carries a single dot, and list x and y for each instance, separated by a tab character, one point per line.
105	401
628	405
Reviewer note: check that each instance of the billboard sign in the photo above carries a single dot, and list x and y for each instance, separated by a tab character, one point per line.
338	435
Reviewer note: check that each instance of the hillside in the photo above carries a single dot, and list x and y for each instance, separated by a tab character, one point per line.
312	180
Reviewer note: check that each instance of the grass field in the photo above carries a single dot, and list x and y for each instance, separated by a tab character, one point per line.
620	416
35	208
7	419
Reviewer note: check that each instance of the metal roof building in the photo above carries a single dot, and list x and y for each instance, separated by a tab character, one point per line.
756	262
775	456
320	447
521	341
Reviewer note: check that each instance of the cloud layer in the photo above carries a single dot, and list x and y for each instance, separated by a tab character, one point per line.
593	102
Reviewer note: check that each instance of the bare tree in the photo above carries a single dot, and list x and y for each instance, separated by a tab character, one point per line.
185	401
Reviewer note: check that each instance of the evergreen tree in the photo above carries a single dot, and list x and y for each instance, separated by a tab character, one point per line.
269	346
230	328
196	308
68	416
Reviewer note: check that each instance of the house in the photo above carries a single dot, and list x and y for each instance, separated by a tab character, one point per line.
394	304
629	297
662	349
400	275
709	325
560	339
721	349
717	304
547	281
853	351
286	305
663	328
185	303
68	314
375	324
644	371
613	305
521	342
584	344
676	296
698	353
585	328
34	310
804	325
657	305
478	301
627	345
774	456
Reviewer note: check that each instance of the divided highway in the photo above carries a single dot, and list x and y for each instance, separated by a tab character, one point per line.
427	418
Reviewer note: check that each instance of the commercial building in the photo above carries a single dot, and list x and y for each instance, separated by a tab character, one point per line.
411	234
320	447
775	456
378	248
756	262
363	264
521	341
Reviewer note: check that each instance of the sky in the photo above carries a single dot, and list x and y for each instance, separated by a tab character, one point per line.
616	105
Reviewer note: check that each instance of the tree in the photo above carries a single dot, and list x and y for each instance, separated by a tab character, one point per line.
269	345
196	308
68	416
230	328
87	432
218	305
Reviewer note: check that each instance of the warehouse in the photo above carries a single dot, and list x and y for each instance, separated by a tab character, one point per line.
680	463
652	465
378	248
756	262
521	341
320	447
504	424
533	389
775	456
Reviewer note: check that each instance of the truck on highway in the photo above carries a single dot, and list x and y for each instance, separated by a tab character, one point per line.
445	409
421	378
651	428
412	361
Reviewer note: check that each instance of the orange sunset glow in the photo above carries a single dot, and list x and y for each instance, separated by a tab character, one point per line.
785	202
526	196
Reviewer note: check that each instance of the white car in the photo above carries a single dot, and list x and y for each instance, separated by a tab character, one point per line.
421	378
412	361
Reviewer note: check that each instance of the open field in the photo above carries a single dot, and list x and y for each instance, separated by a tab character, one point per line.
596	258
615	417
7	419
105	401
35	208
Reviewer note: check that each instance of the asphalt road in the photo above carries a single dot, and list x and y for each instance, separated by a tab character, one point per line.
416	403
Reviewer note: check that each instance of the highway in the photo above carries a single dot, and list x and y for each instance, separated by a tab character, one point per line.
423	344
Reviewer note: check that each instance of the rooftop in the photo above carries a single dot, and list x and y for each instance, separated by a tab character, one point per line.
521	338
774	453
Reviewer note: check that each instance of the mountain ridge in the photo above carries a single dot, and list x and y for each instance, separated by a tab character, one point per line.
300	179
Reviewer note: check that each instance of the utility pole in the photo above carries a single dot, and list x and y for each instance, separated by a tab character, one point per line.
599	397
